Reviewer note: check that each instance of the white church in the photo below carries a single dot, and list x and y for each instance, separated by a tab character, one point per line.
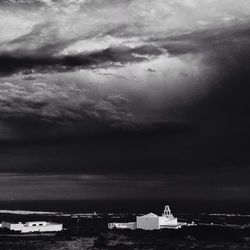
154	222
151	221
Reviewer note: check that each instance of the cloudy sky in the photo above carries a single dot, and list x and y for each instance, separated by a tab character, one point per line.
115	98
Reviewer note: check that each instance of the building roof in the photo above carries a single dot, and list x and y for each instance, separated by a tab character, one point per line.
151	215
36	222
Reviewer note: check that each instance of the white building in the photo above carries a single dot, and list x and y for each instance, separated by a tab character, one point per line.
148	222
168	220
118	225
151	222
33	226
154	222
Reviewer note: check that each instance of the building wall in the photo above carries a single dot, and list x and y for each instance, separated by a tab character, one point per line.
47	228
13	226
5	225
129	225
35	223
166	221
28	227
147	223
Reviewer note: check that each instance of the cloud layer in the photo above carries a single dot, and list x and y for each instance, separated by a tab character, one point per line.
117	63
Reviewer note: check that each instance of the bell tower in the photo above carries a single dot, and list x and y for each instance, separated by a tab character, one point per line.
167	211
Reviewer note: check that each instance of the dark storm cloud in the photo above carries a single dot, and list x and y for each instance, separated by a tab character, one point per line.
39	51
218	41
61	103
45	49
42	45
213	134
9	63
214	45
164	92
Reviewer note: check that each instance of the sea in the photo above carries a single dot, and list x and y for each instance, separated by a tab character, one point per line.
216	224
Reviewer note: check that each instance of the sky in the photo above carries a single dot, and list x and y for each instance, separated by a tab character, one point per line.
119	99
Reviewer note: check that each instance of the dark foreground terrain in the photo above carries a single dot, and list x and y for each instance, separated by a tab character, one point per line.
89	231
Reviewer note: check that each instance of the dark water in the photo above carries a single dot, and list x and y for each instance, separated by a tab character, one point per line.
220	225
